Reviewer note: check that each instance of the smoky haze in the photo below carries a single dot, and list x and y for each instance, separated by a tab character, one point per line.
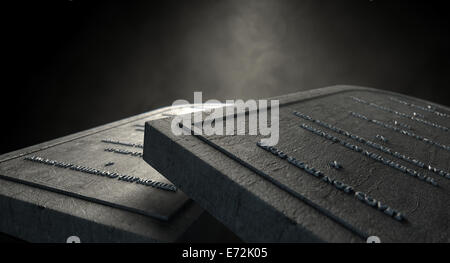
77	64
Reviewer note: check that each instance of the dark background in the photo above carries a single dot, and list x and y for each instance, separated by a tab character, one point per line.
73	65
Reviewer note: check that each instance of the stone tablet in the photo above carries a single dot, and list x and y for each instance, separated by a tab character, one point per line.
352	164
94	185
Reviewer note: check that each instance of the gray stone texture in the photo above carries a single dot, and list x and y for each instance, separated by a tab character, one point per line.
258	211
44	203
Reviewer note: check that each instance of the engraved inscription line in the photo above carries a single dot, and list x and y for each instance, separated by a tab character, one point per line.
401	131
111	141
124	152
371	155
107	174
366	199
429	108
404	115
377	146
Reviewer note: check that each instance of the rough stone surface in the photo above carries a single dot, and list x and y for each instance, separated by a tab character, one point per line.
45	203
258	210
